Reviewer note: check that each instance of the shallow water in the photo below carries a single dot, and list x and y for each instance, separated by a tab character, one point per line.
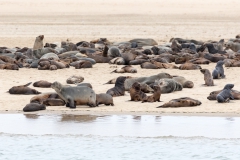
118	137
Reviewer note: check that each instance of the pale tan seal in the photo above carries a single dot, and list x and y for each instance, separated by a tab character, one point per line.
207	77
181	102
38	44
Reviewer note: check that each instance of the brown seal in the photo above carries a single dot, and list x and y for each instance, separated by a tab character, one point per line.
149	65
42	97
181	102
54	102
74	79
183	81
200	61
156	95
52	67
125	69
23	89
38	44
42	84
83	64
213	95
207	77
9	66
118	89
104	98
31	107
189	66
135	92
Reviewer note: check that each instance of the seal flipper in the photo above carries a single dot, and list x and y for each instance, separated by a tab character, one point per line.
27	84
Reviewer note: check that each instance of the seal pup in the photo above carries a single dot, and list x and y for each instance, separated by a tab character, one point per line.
225	95
125	69
213	95
74	79
207	77
104	98
42	84
181	102
118	89
31	107
75	95
23	89
218	72
42	97
135	92
156	95
38	44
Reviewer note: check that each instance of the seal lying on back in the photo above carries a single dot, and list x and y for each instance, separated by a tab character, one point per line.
118	89
31	107
181	102
135	92
207	77
23	89
168	85
225	95
75	95
218	72
42	84
146	80
104	98
156	95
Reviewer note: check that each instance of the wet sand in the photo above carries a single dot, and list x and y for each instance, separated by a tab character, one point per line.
22	21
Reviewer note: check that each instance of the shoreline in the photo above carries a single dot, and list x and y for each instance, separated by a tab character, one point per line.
188	114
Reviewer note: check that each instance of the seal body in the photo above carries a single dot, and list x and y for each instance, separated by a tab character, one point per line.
218	72
38	44
42	84
23	89
168	85
135	92
183	81
74	79
225	95
104	98
79	95
156	95
207	77
181	102
118	89
31	107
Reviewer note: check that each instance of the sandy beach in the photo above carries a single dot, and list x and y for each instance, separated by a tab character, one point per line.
22	21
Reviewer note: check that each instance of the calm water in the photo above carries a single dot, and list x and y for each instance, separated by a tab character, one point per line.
88	137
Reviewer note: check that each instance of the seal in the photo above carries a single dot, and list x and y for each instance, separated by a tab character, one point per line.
235	46
125	69
215	57
238	36
74	79
218	72
118	89
9	66
145	80
113	52
144	42
83	64
85	84
135	92
168	85
54	102
31	107
156	95
207	77
52	67
189	66
181	102
42	84
149	65
137	61
213	95
200	61
183	81
23	89
118	61
75	95
104	98
42	97
225	95
38	44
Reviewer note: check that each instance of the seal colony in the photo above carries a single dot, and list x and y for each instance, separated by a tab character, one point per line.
146	53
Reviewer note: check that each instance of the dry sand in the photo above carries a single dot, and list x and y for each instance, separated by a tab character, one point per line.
22	21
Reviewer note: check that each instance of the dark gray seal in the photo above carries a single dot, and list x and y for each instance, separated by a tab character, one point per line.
218	72
31	107
225	95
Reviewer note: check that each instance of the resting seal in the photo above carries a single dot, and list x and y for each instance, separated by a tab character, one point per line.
189	66
225	95
113	52
9	66
104	98
185	83
155	97
83	64
181	102
145	80
218	72
135	92
207	77
23	89
118	89
125	69
42	84
42	97
31	107
54	102
168	85
75	95
74	79
85	84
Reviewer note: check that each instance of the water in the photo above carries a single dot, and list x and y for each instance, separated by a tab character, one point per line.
87	137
